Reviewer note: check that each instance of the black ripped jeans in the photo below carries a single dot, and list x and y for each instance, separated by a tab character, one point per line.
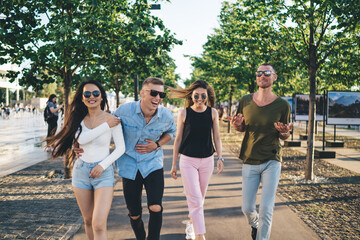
154	186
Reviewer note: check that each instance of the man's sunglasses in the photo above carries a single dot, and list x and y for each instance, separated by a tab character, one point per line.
203	96
95	93
154	93
266	73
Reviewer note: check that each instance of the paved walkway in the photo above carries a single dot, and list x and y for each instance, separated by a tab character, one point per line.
341	130
20	142
345	157
224	219
34	207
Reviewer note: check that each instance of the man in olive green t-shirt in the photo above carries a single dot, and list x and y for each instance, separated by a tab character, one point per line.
264	117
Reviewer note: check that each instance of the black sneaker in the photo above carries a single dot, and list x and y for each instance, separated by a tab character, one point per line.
253	233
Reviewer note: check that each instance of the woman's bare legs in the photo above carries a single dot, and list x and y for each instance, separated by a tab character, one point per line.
85	200
102	198
95	207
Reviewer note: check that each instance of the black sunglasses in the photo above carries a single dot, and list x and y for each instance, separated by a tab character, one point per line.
95	93
266	73
154	93
203	96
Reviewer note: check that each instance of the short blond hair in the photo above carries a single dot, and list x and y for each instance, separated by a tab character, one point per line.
153	80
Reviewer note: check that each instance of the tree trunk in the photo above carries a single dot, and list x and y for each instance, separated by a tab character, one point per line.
312	66
232	88
67	92
252	87
136	88
117	93
309	172
67	76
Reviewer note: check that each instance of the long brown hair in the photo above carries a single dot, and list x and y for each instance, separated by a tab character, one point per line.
187	93
63	141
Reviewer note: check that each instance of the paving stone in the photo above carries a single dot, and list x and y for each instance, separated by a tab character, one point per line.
35	207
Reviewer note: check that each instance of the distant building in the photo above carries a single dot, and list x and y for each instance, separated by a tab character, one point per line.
111	96
39	103
6	84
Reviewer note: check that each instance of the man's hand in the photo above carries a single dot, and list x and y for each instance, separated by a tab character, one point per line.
96	172
112	120
283	128
77	150
146	148
237	121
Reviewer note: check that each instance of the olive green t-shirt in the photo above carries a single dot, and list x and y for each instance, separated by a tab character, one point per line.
261	141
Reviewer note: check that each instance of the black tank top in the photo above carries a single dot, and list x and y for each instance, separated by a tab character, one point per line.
196	140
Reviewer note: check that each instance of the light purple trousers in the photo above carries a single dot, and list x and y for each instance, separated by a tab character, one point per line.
195	175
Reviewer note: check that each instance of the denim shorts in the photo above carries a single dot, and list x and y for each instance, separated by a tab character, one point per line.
81	179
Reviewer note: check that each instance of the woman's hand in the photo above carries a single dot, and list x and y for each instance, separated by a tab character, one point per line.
112	120
173	172
77	150
96	172
219	166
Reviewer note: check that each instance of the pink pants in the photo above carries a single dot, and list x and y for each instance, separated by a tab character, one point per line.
195	175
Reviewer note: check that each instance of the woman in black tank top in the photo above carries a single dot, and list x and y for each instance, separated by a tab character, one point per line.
196	125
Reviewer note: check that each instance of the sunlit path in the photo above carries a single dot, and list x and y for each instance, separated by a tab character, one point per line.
20	142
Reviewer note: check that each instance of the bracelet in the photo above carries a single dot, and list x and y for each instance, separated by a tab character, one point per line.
284	134
221	159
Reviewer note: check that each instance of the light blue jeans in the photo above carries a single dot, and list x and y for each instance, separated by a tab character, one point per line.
268	174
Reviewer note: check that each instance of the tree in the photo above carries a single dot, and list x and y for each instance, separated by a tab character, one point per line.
319	37
319	30
62	38
245	40
135	43
59	38
56	37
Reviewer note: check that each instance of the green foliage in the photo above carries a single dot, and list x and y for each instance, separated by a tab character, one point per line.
65	41
246	39
294	36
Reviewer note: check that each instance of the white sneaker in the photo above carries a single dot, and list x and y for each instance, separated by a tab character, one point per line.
189	230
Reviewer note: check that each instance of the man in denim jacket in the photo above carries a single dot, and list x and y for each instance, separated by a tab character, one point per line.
146	127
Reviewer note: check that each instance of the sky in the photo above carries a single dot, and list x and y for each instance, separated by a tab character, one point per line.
192	21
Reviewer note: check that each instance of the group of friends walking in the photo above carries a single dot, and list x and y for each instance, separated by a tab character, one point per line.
140	129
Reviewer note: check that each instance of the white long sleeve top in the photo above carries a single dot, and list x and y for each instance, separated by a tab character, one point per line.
96	144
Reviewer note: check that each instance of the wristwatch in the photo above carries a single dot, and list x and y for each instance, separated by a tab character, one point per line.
158	146
284	134
221	159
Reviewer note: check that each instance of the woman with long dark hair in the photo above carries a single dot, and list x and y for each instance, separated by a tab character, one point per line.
53	114
196	124
87	123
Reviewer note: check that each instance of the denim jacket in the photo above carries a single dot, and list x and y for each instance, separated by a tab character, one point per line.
136	131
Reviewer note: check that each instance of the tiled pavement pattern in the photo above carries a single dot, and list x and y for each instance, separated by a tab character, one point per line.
35	207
